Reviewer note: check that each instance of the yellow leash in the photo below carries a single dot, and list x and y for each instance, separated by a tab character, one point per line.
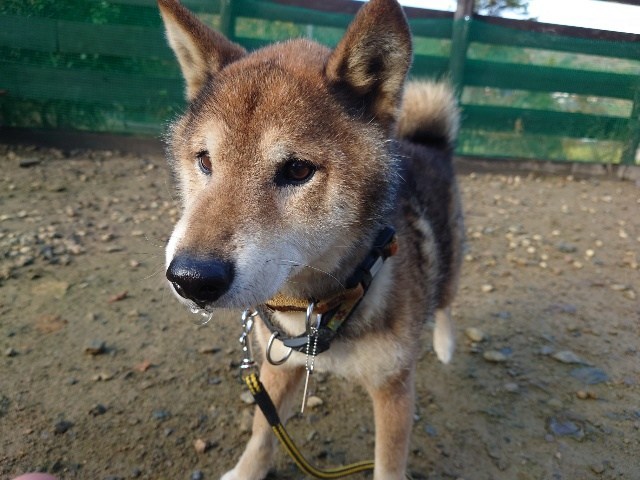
271	414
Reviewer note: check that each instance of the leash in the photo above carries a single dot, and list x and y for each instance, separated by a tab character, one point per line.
268	409
271	414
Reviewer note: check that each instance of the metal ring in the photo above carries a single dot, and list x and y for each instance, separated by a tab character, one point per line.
268	354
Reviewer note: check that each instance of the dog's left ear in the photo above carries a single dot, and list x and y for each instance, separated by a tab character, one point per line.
371	61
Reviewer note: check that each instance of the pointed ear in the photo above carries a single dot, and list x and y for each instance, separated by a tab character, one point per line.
372	59
200	51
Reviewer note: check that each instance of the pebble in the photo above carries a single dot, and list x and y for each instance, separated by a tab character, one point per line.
546	350
10	352
494	356
247	398
119	296
589	375
200	445
597	468
160	415
314	401
487	288
563	427
431	430
98	409
586	395
62	427
209	349
29	162
565	247
475	334
512	387
197	475
95	347
567	356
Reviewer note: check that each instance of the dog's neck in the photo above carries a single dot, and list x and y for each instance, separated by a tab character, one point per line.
350	279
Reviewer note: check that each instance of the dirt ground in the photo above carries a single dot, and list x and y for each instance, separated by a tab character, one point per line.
103	375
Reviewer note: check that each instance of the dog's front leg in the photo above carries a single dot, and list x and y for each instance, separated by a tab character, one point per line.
393	407
255	462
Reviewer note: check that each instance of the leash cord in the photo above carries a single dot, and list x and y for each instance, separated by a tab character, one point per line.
270	412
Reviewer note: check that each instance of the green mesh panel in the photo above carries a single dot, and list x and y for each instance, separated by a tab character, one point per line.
104	66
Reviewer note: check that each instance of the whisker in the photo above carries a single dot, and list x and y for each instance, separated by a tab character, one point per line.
296	264
148	239
158	271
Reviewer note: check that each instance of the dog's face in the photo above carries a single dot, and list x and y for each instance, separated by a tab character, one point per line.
281	159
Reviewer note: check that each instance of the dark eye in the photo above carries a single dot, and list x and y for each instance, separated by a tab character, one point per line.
295	172
204	162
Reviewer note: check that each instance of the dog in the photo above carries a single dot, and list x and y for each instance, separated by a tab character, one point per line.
289	162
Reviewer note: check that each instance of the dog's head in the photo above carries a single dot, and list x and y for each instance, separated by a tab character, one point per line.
282	157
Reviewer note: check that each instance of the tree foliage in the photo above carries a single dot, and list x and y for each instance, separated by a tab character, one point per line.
497	7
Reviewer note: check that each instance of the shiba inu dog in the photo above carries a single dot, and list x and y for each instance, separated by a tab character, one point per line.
290	161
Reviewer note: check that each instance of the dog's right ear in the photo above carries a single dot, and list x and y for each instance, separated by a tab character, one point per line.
201	51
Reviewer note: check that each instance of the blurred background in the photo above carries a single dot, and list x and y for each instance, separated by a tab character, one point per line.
529	88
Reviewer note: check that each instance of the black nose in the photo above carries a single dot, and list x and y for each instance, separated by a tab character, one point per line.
198	278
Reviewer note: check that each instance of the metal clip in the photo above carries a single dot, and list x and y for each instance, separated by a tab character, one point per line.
247	325
312	350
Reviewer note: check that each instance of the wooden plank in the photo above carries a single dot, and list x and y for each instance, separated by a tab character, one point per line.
117	40
351	8
432	28
40	83
199	6
482	73
32	33
271	11
429	66
563	30
543	122
483	31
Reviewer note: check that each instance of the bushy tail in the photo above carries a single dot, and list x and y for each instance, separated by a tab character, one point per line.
429	114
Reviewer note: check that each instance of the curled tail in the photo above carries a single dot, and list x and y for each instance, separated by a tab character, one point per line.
429	114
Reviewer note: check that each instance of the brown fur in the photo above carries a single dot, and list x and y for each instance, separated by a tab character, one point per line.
378	159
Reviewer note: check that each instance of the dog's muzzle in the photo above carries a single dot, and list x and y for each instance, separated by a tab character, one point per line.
200	279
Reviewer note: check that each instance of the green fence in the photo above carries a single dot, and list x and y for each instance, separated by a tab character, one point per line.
527	90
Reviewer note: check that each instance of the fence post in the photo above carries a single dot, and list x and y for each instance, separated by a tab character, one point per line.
227	19
631	147
459	43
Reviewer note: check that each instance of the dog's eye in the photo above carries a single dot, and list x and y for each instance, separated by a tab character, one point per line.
204	162
295	172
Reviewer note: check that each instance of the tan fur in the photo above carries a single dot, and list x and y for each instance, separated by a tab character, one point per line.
381	155
429	105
